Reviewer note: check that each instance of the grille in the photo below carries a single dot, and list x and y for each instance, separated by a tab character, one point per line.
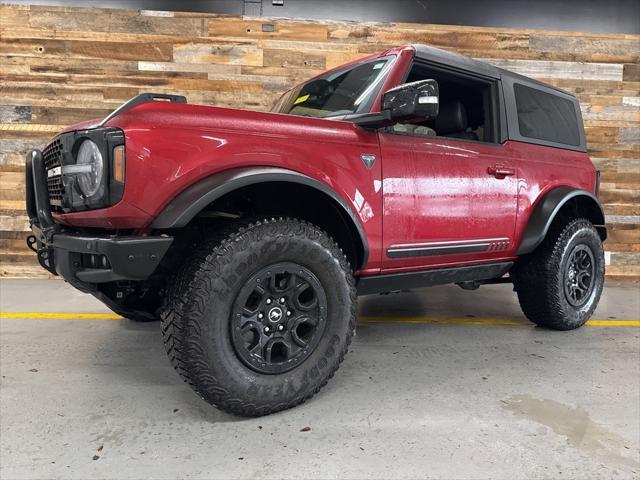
52	155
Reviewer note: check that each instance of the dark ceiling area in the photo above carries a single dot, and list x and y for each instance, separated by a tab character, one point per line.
620	16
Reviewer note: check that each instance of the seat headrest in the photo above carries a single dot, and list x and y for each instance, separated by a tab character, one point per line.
452	117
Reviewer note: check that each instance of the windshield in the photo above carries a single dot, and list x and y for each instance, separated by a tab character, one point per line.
349	90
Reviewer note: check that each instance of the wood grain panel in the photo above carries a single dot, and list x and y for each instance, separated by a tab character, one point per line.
238	27
618	50
29	47
226	53
631	72
111	21
64	65
543	69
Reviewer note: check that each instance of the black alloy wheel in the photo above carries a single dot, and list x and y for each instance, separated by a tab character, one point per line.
578	276
278	318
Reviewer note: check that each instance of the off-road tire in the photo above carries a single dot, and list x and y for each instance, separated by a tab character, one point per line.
196	315
540	277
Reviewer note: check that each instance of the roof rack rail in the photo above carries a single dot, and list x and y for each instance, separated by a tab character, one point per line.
143	98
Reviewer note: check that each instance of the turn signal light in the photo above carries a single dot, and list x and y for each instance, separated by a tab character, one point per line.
118	163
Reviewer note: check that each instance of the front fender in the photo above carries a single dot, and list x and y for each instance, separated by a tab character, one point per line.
185	206
548	207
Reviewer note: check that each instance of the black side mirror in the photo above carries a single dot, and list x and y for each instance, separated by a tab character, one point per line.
415	100
404	103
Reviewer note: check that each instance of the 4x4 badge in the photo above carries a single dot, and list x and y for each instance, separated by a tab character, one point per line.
368	159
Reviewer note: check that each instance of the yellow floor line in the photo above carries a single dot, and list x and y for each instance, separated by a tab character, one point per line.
61	316
614	323
365	319
487	321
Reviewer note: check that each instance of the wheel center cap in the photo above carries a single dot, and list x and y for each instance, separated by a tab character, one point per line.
275	314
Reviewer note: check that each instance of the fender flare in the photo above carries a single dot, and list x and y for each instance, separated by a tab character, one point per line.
546	210
191	201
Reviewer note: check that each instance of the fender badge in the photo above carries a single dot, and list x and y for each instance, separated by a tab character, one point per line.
368	159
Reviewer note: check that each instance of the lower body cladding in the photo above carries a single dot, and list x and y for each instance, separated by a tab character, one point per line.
467	277
257	312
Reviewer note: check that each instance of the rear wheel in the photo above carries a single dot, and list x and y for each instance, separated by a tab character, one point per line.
261	316
559	285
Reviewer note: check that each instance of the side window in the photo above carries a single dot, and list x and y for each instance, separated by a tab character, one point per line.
466	107
545	116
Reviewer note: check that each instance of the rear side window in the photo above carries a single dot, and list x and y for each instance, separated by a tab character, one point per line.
545	116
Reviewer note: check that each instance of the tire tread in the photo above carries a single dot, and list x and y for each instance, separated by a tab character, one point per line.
537	278
181	323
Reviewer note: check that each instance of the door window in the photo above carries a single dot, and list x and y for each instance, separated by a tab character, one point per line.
466	109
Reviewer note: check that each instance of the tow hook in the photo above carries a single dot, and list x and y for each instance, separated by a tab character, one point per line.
45	258
32	243
45	254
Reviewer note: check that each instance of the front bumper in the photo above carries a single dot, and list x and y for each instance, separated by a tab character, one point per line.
84	259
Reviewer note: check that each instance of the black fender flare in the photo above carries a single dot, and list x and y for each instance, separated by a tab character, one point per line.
191	201
546	210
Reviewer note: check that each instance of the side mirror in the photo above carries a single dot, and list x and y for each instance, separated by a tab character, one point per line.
412	100
404	103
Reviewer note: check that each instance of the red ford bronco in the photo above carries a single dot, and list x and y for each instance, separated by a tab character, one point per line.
250	234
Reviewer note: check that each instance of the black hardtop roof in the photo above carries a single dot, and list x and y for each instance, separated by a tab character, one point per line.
463	62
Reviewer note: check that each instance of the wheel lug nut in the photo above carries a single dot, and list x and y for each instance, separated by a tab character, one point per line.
267	329
288	313
260	315
282	300
280	327
269	301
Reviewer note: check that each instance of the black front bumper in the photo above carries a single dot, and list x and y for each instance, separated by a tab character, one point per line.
84	259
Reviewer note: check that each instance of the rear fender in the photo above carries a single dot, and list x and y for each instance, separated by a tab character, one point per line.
547	209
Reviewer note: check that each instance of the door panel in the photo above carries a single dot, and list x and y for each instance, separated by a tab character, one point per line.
446	201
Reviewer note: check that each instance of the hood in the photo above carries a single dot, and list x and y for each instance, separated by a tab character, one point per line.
173	116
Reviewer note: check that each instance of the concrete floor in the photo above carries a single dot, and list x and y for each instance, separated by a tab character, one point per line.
98	399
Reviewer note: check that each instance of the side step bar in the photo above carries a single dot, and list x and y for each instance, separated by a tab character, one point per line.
427	278
143	98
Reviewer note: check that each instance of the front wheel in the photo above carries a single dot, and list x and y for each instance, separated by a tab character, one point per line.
261	316
559	285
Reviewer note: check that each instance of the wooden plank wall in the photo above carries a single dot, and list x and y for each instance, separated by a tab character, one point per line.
60	65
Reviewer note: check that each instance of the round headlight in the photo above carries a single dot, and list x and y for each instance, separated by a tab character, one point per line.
90	178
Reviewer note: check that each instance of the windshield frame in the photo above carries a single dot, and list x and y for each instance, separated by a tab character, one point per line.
286	102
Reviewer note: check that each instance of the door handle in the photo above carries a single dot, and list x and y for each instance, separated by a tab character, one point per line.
500	171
